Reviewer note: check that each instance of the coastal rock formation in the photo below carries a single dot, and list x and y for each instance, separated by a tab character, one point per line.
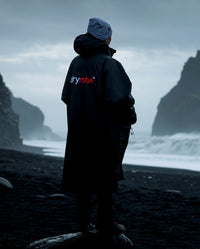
178	111
31	121
83	240
9	130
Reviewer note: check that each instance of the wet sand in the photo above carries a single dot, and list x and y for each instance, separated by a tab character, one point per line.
160	207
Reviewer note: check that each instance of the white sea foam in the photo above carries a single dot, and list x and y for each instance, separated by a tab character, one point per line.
176	151
178	144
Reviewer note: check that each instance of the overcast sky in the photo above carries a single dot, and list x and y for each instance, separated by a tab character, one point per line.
153	39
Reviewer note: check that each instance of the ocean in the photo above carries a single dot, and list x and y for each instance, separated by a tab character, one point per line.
180	151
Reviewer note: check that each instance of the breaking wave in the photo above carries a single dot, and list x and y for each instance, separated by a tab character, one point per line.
178	144
175	151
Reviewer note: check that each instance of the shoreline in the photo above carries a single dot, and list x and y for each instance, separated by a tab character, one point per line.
160	169
160	160
126	166
26	149
158	206
39	151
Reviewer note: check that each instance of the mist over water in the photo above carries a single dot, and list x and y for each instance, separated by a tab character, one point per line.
175	151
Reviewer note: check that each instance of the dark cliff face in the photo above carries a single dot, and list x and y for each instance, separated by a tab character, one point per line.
20	120
9	129
179	110
31	121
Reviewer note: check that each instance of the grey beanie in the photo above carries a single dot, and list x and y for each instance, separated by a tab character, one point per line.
99	29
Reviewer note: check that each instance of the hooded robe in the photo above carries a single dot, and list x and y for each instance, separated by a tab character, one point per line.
97	92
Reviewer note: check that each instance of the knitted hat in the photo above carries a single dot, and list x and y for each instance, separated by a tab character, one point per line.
99	29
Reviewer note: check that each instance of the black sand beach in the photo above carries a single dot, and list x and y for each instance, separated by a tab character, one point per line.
159	207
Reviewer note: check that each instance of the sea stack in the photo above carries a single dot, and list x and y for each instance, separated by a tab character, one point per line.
179	110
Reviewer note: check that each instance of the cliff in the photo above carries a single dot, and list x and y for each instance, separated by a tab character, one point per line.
179	110
9	129
31	121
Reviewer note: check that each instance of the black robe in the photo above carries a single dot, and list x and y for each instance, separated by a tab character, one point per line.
97	92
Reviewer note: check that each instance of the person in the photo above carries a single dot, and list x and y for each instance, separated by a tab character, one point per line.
100	112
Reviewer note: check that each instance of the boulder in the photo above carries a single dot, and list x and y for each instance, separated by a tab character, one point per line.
5	185
93	240
57	196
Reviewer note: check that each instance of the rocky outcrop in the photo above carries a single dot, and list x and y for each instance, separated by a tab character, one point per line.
89	240
179	110
20	120
31	121
9	130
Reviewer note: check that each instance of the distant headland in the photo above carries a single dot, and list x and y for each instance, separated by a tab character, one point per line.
179	110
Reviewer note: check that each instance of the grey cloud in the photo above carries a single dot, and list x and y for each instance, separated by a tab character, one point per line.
138	25
135	22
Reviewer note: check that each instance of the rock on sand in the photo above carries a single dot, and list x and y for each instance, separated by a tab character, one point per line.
5	185
83	240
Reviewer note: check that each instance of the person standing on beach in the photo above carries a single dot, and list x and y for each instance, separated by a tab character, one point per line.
100	112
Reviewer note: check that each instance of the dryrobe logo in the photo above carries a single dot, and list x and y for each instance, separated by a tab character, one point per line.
82	80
